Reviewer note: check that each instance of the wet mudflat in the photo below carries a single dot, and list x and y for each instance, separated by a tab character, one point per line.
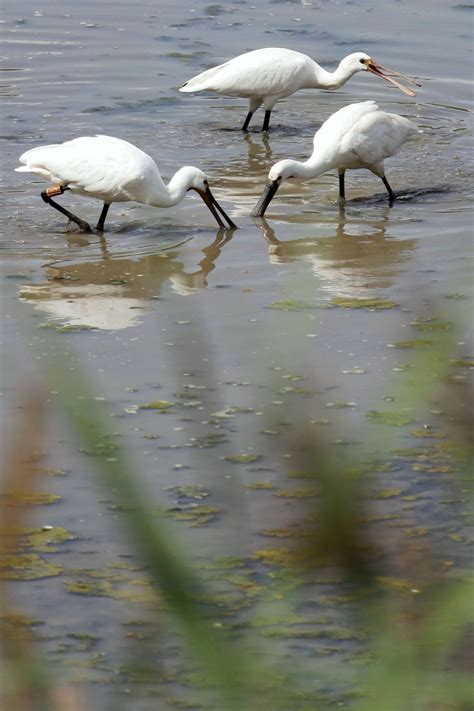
207	346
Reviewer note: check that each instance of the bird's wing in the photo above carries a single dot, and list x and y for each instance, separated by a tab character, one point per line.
377	135
341	123
92	164
264	72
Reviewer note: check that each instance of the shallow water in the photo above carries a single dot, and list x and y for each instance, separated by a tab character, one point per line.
165	304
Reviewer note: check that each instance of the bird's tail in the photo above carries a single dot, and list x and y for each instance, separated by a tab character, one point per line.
187	88
205	80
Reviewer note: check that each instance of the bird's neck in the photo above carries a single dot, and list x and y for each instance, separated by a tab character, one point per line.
331	80
310	168
168	195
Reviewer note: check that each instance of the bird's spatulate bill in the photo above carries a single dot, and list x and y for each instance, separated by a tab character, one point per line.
211	202
379	71
266	198
393	72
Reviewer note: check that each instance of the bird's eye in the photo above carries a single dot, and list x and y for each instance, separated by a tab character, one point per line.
362	61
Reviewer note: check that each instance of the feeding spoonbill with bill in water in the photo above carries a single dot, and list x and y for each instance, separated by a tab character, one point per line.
357	136
113	170
266	75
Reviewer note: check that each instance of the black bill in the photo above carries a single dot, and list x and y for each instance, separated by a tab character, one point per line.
380	71
214	207
266	198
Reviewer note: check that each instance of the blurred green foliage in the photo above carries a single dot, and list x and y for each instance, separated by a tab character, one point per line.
417	643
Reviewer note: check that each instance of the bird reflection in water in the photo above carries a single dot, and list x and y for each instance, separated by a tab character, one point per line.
259	153
357	258
113	293
244	175
186	283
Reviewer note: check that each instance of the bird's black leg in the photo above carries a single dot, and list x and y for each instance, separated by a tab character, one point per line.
391	194
342	187
103	215
266	120
247	121
59	190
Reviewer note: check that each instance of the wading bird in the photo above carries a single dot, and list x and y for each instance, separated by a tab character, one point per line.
266	75
357	136
112	170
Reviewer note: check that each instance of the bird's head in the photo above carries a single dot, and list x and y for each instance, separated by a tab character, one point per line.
281	171
361	62
356	62
197	180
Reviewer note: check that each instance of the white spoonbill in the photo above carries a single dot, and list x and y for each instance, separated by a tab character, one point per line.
357	136
112	170
265	75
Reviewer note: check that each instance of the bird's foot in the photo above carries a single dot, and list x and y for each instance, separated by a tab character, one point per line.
82	224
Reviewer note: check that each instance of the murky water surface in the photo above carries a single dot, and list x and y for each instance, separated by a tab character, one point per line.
227	326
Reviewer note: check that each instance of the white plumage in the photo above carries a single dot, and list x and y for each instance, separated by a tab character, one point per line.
265	75
357	136
361	136
112	170
104	167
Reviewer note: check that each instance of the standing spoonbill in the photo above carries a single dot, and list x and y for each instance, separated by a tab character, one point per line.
265	75
357	136
112	170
